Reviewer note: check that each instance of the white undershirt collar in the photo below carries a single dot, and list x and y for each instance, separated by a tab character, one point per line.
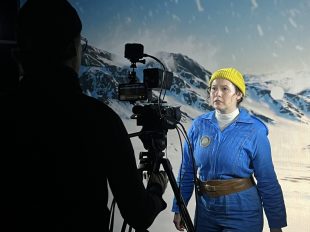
225	119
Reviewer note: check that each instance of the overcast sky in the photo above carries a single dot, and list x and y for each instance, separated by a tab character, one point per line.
256	36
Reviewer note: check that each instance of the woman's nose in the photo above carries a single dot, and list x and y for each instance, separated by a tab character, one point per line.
218	92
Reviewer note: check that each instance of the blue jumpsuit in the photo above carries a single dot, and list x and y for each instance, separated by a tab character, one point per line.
240	150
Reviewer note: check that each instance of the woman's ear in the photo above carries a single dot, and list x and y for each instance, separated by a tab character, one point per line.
239	95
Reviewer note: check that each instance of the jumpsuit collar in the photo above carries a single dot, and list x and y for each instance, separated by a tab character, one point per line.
243	117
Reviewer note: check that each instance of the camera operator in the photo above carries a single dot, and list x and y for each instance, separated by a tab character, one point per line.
71	146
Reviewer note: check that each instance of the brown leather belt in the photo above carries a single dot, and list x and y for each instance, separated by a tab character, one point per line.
216	188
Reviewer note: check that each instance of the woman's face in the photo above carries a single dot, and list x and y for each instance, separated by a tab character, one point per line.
224	96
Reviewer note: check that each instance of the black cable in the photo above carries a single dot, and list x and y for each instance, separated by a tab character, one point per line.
196	181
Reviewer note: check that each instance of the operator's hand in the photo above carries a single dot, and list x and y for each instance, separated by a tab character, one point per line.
177	220
276	230
159	179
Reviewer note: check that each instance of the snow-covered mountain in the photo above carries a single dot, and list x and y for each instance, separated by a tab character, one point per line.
267	95
281	100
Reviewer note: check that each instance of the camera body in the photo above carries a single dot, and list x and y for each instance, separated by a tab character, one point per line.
153	117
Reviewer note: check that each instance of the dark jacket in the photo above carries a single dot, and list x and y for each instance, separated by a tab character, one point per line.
71	147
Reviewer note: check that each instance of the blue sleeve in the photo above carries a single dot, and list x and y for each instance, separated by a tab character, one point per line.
267	183
185	179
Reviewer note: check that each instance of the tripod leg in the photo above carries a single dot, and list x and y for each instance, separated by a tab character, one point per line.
183	210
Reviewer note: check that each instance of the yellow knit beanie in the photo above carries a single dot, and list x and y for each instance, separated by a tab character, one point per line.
231	74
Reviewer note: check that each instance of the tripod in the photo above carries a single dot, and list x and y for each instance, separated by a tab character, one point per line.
155	121
160	160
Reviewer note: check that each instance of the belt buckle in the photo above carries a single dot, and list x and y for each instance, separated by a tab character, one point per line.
210	188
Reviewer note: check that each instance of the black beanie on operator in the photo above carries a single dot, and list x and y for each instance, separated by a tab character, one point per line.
46	28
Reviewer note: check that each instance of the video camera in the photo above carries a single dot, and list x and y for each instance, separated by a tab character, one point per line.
154	117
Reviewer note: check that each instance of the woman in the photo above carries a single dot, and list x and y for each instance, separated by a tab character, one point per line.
230	147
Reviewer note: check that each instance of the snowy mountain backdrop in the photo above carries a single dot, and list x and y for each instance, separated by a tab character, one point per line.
101	74
281	100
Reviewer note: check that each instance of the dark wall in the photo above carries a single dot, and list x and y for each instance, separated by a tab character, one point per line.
8	83
8	13
8	67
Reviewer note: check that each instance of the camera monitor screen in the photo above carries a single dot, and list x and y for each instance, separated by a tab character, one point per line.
132	92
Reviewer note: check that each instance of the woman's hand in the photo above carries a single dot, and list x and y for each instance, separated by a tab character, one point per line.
177	220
